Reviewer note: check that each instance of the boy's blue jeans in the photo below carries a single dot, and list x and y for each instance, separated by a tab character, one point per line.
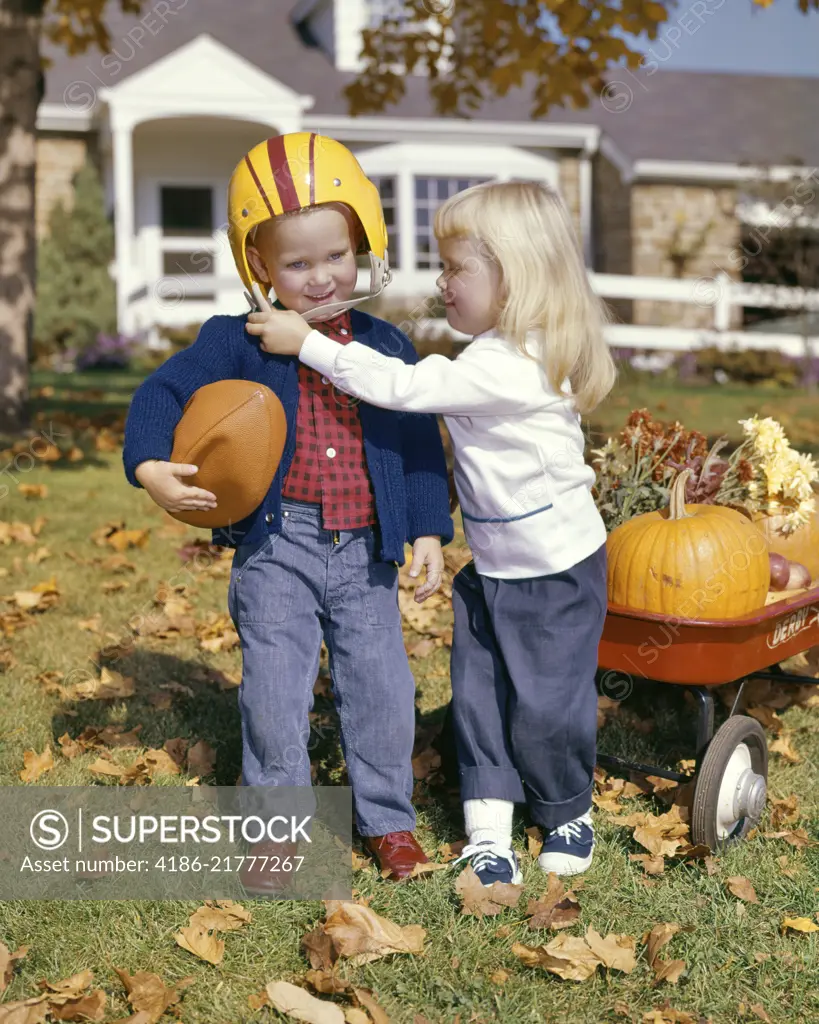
285	595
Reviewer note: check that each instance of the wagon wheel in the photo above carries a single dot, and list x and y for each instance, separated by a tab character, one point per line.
731	787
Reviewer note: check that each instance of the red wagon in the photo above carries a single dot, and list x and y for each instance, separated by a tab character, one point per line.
731	763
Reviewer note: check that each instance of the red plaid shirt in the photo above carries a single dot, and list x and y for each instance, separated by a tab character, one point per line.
329	466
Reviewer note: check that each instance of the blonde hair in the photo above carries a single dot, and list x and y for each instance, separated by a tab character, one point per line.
525	229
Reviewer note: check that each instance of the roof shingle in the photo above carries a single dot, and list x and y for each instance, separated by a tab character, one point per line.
673	115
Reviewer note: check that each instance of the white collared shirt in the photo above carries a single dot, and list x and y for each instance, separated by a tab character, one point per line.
523	485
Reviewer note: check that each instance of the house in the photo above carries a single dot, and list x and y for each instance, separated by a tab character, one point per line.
654	171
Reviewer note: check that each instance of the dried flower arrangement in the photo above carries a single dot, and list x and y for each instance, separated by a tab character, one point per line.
764	474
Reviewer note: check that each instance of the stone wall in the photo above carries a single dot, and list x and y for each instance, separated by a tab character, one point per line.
59	157
654	229
570	189
612	229
683	232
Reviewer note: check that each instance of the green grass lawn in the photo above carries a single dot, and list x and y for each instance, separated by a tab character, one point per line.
92	393
713	409
735	954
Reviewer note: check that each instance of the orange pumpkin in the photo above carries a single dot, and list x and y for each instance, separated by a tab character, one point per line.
688	561
800	545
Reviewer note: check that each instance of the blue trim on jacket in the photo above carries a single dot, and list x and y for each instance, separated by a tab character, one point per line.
507	519
405	456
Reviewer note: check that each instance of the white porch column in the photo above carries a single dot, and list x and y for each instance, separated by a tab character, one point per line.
405	210
123	170
349	19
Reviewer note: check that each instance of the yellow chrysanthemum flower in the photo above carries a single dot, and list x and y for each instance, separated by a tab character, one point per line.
611	458
799	516
768	435
797	485
774	470
808	466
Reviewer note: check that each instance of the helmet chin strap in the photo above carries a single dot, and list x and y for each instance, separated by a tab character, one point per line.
380	275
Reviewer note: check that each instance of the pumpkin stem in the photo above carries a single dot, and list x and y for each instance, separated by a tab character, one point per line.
677	509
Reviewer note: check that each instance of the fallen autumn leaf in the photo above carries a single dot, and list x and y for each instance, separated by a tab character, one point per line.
555	909
741	887
202	943
485	900
300	1005
36	764
361	935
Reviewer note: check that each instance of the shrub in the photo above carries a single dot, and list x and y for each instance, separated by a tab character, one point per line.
706	365
181	337
749	366
76	297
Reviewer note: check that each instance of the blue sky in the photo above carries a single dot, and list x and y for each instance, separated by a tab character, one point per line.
736	35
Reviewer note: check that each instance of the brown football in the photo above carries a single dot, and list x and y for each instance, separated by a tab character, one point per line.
234	431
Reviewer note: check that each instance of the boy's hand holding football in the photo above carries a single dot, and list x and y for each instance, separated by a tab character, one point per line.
280	331
164	482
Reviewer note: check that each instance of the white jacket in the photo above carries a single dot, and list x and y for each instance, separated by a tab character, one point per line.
524	488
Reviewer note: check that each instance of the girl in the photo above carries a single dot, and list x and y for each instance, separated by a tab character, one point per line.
529	610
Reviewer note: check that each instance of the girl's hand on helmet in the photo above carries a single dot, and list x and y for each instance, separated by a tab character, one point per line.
280	332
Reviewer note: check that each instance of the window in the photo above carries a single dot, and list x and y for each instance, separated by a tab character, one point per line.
186	211
187	263
388	190
429	194
187	266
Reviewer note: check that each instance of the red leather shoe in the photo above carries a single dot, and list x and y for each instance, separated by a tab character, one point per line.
269	877
397	852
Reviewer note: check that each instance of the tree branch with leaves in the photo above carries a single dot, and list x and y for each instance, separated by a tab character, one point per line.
472	51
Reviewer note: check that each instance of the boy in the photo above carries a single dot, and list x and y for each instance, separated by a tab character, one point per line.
319	557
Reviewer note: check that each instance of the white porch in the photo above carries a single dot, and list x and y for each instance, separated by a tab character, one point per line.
173	133
181	269
171	138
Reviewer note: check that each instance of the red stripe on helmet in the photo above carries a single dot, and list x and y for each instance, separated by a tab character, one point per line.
282	174
312	170
259	186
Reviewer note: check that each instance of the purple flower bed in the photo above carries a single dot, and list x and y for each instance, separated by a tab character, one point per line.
808	367
107	352
687	366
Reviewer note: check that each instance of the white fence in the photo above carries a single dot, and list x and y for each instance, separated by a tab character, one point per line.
720	294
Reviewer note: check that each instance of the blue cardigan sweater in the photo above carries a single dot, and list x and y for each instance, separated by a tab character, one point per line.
404	453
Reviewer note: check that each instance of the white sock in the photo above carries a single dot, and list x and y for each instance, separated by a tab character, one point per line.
489	821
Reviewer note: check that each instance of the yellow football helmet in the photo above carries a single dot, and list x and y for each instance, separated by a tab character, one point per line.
290	172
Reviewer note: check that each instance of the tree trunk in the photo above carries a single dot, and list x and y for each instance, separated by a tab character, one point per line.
20	93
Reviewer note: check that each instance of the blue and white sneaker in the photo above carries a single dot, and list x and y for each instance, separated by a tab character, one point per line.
492	862
568	849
